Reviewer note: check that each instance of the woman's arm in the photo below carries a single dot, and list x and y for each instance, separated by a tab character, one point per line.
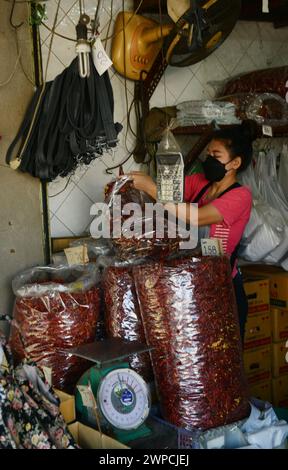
206	215
144	182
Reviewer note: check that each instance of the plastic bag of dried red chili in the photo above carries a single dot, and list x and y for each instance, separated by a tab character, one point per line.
189	317
122	314
138	237
56	308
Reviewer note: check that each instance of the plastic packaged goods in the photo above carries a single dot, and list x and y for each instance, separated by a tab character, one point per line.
264	232
272	80
201	112
265	235
136	239
122	314
264	108
283	171
190	319
56	308
95	247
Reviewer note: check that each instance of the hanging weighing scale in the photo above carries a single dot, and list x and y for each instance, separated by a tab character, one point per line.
170	170
121	397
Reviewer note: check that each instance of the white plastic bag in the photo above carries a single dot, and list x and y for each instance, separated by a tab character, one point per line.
283	171
264	231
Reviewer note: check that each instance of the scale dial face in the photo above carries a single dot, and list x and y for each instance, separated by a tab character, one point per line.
124	399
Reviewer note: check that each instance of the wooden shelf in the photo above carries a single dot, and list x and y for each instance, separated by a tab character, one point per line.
281	131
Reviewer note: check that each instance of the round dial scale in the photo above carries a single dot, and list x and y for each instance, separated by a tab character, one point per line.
124	399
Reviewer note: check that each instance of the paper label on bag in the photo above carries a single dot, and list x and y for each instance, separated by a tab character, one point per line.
101	60
15	164
77	255
48	374
87	396
1	356
267	130
265	6
211	247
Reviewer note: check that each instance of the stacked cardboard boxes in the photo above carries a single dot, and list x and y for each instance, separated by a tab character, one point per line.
278	280
257	343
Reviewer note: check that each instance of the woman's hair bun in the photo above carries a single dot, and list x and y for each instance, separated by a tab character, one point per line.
249	129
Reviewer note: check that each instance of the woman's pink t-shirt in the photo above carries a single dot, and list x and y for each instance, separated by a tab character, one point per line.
234	206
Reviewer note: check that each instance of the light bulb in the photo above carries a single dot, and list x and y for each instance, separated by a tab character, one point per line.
83	50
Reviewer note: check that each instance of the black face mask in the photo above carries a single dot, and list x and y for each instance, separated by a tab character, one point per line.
213	169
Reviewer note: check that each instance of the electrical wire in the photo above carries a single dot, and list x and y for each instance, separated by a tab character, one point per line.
2	84
19	53
44	83
107	38
163	59
110	22
62	190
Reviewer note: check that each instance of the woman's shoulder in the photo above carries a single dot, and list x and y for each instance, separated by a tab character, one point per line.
193	184
245	191
240	194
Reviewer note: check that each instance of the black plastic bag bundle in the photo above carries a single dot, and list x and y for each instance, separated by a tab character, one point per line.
73	124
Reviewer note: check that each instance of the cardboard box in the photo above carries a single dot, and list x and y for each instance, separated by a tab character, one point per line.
280	391
279	324
67	405
89	438
261	390
278	282
257	292
280	358
257	364
257	330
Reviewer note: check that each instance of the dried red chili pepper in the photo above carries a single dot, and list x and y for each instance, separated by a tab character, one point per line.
45	325
123	319
142	243
189	316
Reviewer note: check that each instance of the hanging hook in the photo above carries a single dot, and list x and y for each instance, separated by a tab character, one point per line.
15	26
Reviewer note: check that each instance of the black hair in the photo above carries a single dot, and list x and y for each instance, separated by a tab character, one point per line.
238	140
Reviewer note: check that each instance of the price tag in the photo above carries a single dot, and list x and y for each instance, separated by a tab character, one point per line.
265	6
267	130
211	247
15	164
101	60
77	255
48	374
87	396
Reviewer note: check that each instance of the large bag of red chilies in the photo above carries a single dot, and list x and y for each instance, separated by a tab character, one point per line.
189	316
141	242
261	81
122	314
56	308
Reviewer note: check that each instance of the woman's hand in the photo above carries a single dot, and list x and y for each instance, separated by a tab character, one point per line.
144	182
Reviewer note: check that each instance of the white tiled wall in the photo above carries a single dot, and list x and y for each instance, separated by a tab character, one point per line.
250	46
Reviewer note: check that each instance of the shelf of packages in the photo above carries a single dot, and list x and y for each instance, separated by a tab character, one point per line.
278	131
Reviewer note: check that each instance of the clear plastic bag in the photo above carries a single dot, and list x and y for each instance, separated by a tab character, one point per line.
56	308
272	192
95	247
265	108
136	240
202	112
265	236
122	314
283	171
190	319
263	233
273	80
